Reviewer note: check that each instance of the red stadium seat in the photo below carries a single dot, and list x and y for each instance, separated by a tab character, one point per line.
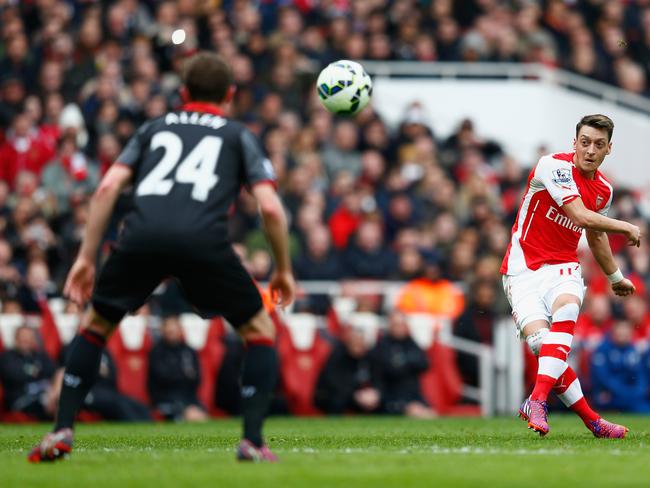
302	356
130	347
49	332
333	322
442	384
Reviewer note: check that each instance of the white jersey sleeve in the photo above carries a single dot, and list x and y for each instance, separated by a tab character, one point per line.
556	176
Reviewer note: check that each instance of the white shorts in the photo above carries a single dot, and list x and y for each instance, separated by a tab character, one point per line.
531	294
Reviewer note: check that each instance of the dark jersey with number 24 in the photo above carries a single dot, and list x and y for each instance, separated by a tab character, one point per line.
189	166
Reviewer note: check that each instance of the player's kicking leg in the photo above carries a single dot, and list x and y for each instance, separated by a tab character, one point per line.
81	369
259	378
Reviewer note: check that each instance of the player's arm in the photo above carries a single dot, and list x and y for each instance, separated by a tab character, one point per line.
599	245
101	208
275	226
590	220
79	284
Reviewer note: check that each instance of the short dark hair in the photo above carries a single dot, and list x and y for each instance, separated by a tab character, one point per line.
598	121
207	77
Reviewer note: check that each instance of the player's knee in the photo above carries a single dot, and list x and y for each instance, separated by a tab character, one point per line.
99	325
259	327
567	312
536	339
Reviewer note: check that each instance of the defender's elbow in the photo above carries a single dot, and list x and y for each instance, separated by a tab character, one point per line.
271	211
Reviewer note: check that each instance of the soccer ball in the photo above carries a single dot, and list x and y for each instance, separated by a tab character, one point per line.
344	87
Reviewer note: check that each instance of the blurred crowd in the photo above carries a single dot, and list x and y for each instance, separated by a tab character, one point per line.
366	201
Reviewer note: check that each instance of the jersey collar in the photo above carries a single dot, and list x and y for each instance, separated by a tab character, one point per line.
205	107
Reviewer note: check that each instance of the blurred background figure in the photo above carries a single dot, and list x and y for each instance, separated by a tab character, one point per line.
26	373
174	375
618	373
348	382
476	324
399	364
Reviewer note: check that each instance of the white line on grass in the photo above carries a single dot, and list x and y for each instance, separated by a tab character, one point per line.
435	449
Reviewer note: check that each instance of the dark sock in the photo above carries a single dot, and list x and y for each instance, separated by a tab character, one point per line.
258	384
81	369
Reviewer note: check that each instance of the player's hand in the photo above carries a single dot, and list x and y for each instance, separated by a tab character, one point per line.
623	288
283	288
633	235
79	284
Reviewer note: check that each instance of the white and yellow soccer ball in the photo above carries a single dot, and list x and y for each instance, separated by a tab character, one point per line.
344	87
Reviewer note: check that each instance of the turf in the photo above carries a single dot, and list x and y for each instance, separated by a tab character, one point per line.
351	452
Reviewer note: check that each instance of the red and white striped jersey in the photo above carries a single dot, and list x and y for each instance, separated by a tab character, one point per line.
543	234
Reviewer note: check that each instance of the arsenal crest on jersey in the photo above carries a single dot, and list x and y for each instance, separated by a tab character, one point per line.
599	201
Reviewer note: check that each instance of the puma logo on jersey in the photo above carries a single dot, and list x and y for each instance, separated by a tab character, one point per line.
563	350
562	220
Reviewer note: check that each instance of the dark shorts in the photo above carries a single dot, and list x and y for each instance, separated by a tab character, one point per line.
215	283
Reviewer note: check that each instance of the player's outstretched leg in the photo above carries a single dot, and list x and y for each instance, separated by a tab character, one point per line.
568	390
259	378
81	369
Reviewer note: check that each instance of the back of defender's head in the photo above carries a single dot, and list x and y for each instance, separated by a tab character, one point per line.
207	78
597	121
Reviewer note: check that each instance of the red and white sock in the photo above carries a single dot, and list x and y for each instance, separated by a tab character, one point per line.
568	390
555	350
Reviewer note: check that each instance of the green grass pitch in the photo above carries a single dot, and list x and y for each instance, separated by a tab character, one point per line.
349	451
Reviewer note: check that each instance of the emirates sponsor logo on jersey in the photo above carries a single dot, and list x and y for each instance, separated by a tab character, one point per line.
562	220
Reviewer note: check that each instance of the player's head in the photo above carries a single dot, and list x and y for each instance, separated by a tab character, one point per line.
593	141
207	78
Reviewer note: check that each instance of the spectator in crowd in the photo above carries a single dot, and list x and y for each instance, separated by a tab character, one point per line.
69	174
635	311
476	324
26	373
366	255
430	293
174	375
342	154
348	383
104	398
618	375
318	262
10	278
37	287
23	150
596	321
399	364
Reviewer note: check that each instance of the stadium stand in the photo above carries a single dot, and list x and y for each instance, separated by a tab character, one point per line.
78	77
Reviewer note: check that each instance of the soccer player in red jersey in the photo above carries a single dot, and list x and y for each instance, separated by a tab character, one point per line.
565	195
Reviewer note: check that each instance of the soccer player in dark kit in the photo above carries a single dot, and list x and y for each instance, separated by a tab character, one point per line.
186	168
